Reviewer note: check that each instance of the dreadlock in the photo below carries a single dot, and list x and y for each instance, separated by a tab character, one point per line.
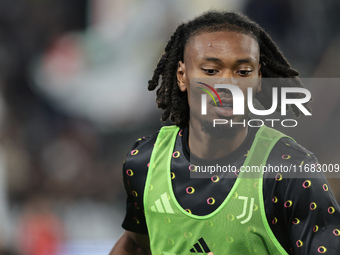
273	63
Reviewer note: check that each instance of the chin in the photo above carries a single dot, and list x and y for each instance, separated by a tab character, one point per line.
224	131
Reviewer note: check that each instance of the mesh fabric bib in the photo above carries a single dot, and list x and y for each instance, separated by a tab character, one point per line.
237	226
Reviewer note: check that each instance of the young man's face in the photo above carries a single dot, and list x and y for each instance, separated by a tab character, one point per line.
224	54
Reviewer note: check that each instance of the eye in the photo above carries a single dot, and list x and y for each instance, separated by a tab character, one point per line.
244	72
210	71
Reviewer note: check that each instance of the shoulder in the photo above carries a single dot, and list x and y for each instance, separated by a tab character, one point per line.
288	152
140	153
287	163
141	150
135	168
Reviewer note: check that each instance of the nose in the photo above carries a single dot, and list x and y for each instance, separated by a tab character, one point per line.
227	74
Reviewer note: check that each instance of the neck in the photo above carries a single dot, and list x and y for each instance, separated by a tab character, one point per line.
206	146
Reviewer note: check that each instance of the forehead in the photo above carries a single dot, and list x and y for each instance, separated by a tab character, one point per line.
221	44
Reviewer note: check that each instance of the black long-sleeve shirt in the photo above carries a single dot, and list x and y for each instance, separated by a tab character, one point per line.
302	212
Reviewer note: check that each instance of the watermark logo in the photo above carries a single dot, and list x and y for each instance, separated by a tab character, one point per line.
204	97
238	101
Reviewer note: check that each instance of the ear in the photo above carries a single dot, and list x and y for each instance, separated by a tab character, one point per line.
259	87
181	76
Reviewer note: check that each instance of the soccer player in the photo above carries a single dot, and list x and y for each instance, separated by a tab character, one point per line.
170	213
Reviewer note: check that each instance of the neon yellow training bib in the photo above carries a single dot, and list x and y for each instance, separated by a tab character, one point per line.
238	226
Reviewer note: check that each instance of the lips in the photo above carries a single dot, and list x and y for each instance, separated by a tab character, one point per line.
226	109
225	102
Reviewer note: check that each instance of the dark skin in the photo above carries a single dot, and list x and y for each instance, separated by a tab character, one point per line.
132	243
227	55
221	54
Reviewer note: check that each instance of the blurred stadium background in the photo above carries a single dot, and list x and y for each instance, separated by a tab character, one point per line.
73	77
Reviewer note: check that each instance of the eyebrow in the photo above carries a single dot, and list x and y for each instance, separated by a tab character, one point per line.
244	60
213	59
239	61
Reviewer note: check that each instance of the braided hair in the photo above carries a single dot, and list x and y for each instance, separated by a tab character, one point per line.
273	63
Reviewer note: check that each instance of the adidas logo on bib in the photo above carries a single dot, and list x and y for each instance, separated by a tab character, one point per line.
162	205
200	247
